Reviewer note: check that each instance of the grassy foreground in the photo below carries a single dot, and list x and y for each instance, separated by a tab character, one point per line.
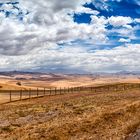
86	116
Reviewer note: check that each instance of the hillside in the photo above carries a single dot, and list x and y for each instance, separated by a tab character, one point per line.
9	80
87	116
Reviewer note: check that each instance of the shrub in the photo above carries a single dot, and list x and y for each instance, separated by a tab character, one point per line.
18	83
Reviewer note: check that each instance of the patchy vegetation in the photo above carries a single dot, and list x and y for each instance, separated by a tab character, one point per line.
18	83
82	116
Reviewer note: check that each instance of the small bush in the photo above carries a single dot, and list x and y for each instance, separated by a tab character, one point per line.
18	83
7	129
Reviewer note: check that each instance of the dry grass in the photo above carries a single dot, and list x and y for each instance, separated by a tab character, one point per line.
60	80
104	116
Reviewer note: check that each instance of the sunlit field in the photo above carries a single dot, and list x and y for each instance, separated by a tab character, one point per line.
87	115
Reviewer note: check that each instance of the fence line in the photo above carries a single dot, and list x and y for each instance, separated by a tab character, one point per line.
16	95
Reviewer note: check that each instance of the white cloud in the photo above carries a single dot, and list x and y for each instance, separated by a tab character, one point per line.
76	58
123	40
85	10
137	20
6	7
32	43
119	21
48	22
125	31
5	1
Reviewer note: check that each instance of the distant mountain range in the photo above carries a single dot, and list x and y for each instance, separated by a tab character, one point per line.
13	73
10	73
128	73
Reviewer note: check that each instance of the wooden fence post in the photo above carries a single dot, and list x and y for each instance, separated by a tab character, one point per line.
95	89
80	89
124	87
37	92
21	94
50	91
10	95
29	93
64	90
71	89
60	91
76	89
91	88
55	90
108	88
117	87
132	86
83	88
44	91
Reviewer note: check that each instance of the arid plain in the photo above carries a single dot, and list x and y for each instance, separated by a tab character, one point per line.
41	80
89	115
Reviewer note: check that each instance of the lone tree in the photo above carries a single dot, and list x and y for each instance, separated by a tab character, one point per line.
18	83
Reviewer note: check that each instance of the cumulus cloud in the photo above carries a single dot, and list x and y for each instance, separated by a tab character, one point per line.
137	20
47	22
124	40
30	37
76	58
119	20
101	4
85	10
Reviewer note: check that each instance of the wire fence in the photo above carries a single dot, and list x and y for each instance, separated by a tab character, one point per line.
16	95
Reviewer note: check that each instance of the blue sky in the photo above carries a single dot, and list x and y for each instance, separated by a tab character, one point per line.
77	36
124	8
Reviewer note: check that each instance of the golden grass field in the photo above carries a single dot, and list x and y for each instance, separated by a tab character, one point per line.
78	116
49	80
112	115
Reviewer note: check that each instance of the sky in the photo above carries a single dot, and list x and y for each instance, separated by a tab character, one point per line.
70	36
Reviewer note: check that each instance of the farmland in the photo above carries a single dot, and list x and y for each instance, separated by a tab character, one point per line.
78	116
72	107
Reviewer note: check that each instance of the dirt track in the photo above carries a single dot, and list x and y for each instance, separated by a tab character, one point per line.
84	116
